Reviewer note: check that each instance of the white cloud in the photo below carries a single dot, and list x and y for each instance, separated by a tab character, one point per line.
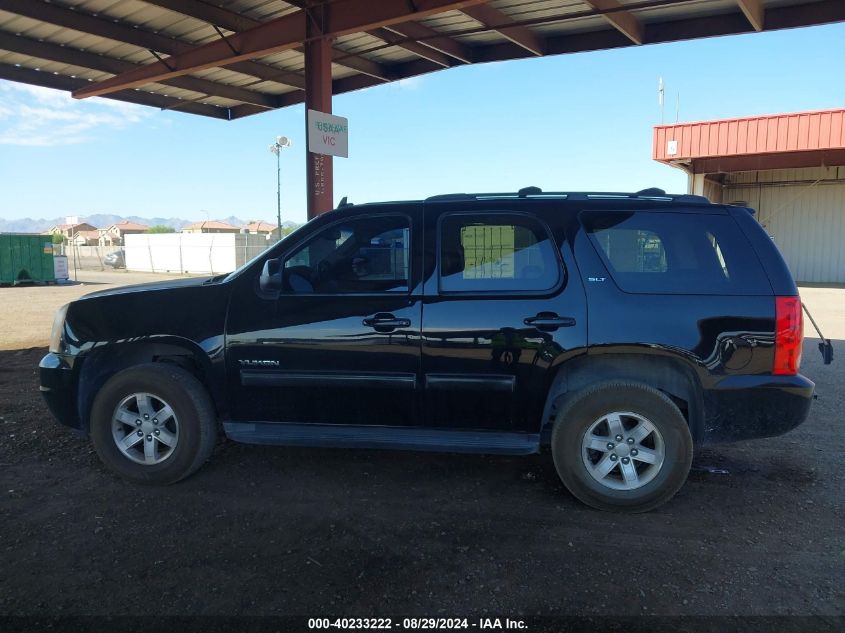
35	116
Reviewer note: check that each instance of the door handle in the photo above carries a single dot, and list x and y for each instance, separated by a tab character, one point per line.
549	321
385	322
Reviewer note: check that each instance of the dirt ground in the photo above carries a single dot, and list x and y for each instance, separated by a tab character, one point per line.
26	312
757	529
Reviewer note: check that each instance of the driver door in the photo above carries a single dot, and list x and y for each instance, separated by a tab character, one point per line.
340	342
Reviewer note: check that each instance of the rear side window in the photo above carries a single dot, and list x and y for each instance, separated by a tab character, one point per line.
676	253
496	252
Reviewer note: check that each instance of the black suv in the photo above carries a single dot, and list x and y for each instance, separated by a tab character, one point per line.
619	330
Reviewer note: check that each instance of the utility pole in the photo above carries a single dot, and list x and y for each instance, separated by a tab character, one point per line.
281	143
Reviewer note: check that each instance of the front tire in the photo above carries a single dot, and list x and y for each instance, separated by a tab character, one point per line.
622	446
153	424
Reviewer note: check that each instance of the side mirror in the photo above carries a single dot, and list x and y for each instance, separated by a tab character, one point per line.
271	276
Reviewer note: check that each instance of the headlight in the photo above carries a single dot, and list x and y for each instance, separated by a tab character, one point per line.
56	332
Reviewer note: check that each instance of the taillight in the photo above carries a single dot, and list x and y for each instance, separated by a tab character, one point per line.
789	335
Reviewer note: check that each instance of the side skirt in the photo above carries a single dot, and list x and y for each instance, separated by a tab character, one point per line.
388	437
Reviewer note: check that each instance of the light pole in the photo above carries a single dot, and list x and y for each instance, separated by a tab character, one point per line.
281	143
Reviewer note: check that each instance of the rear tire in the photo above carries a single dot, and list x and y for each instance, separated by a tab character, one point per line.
622	446
130	438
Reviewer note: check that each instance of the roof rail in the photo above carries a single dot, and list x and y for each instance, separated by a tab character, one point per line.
652	193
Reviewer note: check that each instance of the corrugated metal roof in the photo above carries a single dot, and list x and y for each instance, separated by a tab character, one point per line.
778	133
68	44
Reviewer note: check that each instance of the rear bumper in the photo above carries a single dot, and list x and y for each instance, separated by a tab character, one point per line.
746	407
59	388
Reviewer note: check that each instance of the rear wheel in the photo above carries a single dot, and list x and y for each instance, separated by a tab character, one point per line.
153	424
622	446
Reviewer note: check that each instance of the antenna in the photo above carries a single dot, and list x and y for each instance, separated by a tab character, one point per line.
660	97
677	106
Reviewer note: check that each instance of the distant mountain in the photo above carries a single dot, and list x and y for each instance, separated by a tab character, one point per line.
104	220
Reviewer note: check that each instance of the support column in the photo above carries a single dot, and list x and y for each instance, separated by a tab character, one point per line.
318	96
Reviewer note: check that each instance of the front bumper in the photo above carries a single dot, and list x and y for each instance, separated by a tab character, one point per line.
59	387
746	407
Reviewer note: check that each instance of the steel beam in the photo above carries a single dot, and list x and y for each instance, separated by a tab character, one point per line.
341	17
754	11
420	50
318	96
236	22
84	59
497	21
624	21
59	82
433	39
123	33
347	84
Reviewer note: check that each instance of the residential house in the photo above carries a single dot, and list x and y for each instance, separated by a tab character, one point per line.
113	235
260	228
210	226
66	230
85	238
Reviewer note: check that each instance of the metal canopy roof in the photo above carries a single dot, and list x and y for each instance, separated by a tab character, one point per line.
233	58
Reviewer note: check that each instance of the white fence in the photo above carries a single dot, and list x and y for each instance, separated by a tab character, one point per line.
201	253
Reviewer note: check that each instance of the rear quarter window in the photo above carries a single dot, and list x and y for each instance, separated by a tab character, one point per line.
676	253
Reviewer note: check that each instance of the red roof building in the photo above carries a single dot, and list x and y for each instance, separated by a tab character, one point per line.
789	167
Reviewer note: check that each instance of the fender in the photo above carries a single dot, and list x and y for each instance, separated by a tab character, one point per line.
669	373
204	360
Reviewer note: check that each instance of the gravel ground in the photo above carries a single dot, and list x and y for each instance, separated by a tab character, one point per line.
757	530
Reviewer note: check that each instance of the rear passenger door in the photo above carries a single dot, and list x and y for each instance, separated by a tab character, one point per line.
499	311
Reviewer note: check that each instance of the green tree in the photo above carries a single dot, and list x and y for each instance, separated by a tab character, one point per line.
58	238
161	228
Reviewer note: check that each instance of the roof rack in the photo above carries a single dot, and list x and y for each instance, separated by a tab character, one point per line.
652	193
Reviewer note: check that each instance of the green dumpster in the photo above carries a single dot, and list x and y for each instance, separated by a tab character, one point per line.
26	258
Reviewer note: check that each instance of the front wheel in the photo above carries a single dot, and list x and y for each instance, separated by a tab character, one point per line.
622	446
153	424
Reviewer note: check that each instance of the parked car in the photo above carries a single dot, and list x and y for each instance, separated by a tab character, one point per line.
115	259
618	330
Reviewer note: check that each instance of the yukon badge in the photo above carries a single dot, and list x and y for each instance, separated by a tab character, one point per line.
259	363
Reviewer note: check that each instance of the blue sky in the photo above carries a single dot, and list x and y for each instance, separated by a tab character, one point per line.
571	122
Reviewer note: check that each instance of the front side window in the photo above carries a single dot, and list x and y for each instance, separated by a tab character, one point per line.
363	255
496	252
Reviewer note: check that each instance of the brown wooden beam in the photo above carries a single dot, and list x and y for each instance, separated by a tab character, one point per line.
59	82
84	59
497	21
284	33
754	11
433	39
123	33
624	21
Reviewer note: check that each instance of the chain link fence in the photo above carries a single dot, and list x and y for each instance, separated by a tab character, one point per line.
84	257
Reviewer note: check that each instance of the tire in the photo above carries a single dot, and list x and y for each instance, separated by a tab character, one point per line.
189	424
582	441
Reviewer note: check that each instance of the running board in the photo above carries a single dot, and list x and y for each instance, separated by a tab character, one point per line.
389	437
